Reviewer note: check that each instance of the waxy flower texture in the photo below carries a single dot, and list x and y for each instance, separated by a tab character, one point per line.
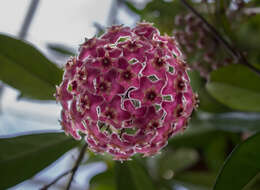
126	92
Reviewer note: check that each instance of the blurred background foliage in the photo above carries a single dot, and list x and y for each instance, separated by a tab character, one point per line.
219	150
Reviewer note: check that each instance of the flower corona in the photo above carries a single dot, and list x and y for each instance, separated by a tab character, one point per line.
126	92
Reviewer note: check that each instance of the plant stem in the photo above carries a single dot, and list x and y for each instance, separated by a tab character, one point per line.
28	19
76	166
1	95
72	170
238	56
56	180
112	16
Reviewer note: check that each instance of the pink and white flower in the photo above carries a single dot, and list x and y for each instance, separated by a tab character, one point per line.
116	92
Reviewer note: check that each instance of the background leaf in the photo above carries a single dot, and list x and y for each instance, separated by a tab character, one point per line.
103	181
216	153
23	156
203	179
194	137
236	86
26	69
177	160
132	176
206	101
241	166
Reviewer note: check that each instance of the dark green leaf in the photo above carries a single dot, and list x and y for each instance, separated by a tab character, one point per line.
236	86
103	181
241	165
26	69
194	137
206	101
204	179
22	157
199	134
215	153
177	161
132	176
209	104
195	80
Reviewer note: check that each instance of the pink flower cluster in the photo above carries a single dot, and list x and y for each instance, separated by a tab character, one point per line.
128	92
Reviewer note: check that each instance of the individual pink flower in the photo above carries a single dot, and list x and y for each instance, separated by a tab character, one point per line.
149	92
157	65
146	30
128	73
135	49
127	92
112	112
107	86
89	48
115	32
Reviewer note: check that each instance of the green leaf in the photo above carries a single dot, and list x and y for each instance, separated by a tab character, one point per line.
195	80
204	179
194	137
241	165
177	161
206	101
132	176
236	86
26	69
199	134
23	156
215	153
209	104
103	181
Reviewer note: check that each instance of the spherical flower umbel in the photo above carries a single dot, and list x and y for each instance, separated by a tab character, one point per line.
126	92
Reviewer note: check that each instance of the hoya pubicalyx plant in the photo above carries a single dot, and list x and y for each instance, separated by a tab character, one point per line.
126	92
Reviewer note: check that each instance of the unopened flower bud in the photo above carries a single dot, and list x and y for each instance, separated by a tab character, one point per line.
189	18
178	20
208	57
